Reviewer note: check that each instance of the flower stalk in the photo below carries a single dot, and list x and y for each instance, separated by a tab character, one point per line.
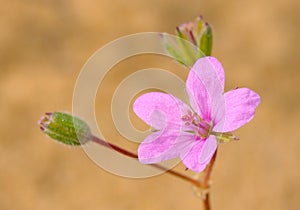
206	181
158	166
73	131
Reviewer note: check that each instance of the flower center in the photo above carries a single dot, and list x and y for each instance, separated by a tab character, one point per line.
200	127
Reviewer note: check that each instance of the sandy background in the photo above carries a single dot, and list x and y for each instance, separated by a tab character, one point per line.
44	44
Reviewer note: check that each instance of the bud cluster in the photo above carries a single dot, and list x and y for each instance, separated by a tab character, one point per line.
194	40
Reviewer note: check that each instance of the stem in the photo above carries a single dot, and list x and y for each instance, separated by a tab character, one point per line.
205	182
133	155
114	147
206	203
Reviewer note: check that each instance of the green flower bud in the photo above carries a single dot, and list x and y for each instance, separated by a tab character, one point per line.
65	128
194	41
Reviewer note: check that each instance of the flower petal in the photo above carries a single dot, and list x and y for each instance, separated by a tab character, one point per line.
163	112
161	146
159	110
199	98
240	106
217	66
208	149
200	154
205	86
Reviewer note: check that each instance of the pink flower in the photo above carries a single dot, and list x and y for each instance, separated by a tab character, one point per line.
193	132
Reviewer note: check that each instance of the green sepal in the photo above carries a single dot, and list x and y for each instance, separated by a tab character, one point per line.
206	41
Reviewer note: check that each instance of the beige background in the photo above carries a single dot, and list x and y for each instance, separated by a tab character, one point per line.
44	44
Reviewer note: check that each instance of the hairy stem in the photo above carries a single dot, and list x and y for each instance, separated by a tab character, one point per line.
133	155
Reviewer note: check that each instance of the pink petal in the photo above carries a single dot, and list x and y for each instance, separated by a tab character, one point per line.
157	148
240	106
159	110
218	68
208	149
199	98
163	112
205	86
200	154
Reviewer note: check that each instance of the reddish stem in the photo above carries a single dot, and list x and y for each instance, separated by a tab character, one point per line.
205	182
114	147
133	155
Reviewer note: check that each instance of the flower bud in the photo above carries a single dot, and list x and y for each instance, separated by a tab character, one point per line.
65	128
194	41
191	31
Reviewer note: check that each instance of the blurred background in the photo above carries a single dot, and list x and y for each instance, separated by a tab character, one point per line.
43	46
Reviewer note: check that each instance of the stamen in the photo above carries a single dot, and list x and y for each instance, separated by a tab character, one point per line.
198	126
